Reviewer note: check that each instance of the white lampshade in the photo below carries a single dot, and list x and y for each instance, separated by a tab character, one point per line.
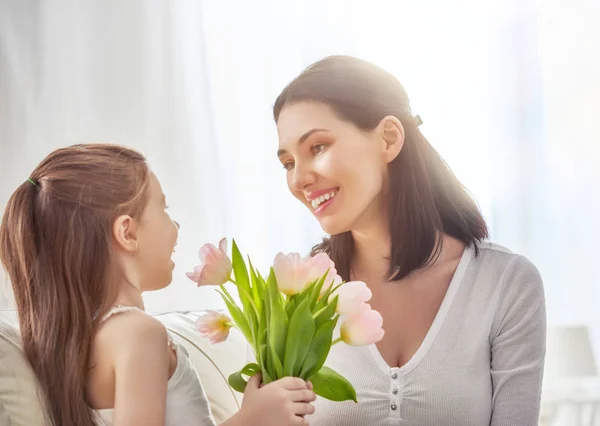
569	353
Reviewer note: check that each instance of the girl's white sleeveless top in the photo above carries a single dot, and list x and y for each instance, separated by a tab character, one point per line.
186	400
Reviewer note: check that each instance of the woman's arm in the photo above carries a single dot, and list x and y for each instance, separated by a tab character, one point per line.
518	341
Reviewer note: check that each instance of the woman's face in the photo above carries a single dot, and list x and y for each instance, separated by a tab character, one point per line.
335	169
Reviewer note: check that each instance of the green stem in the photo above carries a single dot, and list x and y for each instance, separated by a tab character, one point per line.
338	340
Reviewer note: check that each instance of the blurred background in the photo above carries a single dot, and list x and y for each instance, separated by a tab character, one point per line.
509	92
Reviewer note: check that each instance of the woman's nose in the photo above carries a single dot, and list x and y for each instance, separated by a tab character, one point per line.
303	176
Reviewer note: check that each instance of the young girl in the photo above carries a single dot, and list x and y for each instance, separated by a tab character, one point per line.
464	318
81	239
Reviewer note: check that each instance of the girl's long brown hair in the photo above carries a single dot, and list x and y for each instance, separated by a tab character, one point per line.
424	197
55	244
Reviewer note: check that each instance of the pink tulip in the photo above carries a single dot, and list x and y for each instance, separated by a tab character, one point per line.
362	329
215	267
291	273
352	298
215	326
318	266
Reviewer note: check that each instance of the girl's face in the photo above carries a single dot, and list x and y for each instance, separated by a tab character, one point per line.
148	242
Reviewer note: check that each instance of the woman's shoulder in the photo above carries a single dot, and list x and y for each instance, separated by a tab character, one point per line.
517	299
498	259
511	274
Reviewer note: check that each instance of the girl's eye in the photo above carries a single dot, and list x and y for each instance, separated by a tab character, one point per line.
288	165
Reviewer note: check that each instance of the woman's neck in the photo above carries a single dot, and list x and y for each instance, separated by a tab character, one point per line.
372	245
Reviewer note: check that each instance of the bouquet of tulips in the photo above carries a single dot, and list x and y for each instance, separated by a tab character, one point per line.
289	317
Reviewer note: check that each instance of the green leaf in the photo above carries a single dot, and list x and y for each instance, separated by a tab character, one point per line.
300	333
278	322
264	362
239	268
327	293
237	382
324	300
331	385
251	313
319	349
316	290
269	371
326	313
265	314
278	374
257	291
290	306
299	297
236	314
263	294
244	291
266	377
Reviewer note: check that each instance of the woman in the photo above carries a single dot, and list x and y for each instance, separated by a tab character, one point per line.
464	319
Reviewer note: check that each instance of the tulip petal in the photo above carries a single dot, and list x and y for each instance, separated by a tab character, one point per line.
223	246
214	326
194	276
290	273
352	297
363	328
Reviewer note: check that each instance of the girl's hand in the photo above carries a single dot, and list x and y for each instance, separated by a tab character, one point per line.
280	403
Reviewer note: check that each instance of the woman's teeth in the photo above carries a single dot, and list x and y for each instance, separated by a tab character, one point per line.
319	200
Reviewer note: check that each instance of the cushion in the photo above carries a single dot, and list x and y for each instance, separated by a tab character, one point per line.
19	400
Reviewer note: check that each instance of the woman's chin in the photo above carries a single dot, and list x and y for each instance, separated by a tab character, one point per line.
331	226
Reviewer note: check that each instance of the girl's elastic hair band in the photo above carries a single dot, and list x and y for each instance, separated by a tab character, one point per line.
31	181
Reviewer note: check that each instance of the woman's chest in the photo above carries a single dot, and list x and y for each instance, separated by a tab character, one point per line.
408	316
450	389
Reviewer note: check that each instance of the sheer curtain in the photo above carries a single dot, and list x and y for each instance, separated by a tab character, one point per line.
508	92
133	73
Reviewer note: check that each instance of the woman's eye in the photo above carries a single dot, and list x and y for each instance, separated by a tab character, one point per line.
317	148
288	165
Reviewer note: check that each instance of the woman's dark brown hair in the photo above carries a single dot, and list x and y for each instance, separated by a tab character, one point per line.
424	196
55	243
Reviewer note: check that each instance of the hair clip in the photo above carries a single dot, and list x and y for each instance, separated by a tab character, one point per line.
418	120
31	181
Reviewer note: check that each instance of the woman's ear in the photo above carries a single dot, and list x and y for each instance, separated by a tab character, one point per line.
391	132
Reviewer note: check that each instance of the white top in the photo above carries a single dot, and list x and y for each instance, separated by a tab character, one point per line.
480	363
187	404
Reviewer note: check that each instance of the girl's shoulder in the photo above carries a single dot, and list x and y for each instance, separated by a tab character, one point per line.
124	327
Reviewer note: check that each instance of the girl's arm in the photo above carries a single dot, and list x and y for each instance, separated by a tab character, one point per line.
141	359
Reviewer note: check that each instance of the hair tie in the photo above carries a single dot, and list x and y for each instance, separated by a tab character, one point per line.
31	181
418	120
